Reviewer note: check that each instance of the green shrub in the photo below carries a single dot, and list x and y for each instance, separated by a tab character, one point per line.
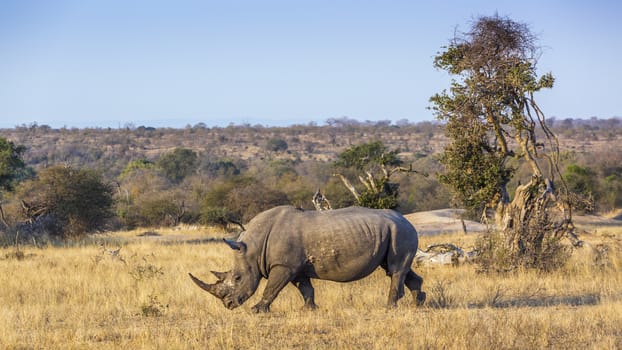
178	164
276	145
243	197
217	216
77	199
493	254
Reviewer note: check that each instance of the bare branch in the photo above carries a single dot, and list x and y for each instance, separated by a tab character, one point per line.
349	186
365	183
372	181
406	170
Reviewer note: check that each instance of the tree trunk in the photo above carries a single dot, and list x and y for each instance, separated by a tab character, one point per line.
2	218
534	222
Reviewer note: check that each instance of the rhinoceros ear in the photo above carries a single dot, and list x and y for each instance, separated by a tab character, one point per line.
235	245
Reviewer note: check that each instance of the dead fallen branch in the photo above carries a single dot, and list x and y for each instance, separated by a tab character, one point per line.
443	254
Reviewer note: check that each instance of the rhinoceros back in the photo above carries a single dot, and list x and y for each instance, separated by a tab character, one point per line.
340	245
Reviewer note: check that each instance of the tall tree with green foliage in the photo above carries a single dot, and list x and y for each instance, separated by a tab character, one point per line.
492	118
372	164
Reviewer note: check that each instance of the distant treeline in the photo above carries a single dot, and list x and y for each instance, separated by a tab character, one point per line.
199	174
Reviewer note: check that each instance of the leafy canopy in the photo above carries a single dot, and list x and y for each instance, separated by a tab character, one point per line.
489	104
368	156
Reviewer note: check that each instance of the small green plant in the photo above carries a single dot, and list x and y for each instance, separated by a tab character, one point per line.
153	307
145	270
115	254
439	296
495	297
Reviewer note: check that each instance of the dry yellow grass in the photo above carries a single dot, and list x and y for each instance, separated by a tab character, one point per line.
81	298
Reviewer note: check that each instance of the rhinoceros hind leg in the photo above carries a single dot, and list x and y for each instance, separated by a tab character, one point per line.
414	283
419	297
279	277
306	289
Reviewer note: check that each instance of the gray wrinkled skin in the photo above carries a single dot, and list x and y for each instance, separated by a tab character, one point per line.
289	245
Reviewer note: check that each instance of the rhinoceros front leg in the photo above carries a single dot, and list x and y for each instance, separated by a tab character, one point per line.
396	291
306	289
279	277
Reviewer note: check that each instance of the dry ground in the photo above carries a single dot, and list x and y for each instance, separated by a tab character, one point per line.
84	297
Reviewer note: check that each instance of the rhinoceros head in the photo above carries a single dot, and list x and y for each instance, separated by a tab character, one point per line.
234	287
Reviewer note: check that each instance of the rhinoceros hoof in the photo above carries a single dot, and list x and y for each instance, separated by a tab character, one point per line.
420	298
260	308
309	307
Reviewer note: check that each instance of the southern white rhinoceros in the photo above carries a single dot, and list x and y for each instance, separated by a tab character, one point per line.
285	244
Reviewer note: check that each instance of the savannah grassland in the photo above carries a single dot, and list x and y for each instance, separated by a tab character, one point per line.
81	296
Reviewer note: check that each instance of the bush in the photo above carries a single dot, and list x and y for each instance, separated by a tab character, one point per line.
276	145
157	212
221	167
178	164
494	254
251	200
582	184
77	199
385	199
135	165
153	210
243	197
217	216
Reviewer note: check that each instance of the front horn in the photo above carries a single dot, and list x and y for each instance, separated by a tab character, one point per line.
213	289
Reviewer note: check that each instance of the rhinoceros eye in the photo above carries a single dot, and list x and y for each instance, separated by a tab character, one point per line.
237	278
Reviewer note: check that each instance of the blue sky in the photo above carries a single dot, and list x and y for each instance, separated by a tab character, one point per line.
172	63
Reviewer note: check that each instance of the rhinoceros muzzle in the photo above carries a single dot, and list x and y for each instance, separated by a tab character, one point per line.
231	303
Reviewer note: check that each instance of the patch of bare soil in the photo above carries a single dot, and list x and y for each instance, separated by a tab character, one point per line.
442	221
596	220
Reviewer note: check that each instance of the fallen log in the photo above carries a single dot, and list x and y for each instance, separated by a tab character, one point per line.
443	254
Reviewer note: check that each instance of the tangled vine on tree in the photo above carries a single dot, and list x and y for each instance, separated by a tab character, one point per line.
492	118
